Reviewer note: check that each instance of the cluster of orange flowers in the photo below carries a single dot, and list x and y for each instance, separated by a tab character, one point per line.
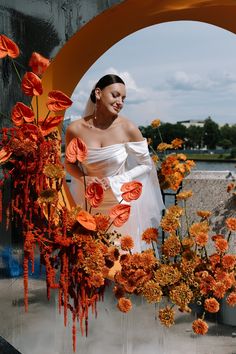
76	246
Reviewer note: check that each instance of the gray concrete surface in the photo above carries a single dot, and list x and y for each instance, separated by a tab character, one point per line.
41	330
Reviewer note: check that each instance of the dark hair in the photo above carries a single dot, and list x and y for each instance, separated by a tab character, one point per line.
105	81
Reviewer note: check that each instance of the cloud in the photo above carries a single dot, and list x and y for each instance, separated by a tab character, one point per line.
181	80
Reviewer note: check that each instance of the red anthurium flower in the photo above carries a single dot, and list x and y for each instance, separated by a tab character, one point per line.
58	101
94	193
31	84
4	155
8	47
131	190
120	213
76	150
86	220
20	113
38	63
49	124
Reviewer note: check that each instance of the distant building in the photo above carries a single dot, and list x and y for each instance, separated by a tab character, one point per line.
194	122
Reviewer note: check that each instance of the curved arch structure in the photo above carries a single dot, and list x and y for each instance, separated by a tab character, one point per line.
106	29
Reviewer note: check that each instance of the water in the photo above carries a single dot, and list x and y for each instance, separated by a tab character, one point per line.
215	166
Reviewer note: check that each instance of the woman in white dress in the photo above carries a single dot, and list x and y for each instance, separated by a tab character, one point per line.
117	153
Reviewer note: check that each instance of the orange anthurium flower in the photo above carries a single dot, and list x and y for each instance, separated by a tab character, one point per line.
20	113
76	150
49	124
131	190
8	47
31	84
4	155
86	220
38	63
58	101
120	213
94	193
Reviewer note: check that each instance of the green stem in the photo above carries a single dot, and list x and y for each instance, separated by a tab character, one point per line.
46	116
229	235
186	216
160	134
85	186
3	114
16	70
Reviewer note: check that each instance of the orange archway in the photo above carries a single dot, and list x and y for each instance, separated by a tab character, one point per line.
106	29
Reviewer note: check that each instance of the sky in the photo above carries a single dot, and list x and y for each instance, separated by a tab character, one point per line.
173	71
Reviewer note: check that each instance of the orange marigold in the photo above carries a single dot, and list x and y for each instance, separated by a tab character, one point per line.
177	143
172	246
229	261
164	146
124	305
155	159
152	292
201	239
155	123
167	275
231	224
200	327
126	243
211	305
221	245
198	227
184	195
181	295
219	290
204	214
150	235
231	299
167	316
102	221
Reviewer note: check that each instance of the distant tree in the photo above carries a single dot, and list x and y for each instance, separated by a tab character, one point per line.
225	143
229	133
194	136
211	133
171	131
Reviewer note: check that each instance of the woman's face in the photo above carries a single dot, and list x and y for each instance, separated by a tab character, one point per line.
111	97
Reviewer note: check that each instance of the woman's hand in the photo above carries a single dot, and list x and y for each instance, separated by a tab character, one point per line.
103	181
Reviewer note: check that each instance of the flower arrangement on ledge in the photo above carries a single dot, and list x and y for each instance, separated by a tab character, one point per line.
77	246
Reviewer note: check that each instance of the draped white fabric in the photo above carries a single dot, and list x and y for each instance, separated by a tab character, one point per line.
123	163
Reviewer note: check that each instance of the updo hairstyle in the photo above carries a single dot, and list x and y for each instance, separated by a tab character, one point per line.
105	81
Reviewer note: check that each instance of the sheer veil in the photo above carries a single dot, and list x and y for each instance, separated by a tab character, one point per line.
89	108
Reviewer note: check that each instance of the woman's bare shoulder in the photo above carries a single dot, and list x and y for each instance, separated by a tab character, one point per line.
73	130
132	131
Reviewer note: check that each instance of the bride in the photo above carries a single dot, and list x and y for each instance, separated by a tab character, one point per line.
117	153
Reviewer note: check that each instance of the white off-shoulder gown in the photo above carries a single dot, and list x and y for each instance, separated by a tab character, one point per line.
121	163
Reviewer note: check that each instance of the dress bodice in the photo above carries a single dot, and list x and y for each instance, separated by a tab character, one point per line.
106	161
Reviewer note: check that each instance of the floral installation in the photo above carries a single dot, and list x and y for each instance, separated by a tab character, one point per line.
78	247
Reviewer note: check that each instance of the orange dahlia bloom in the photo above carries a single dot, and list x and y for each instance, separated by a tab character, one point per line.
167	316
164	146
102	221
58	101
94	193
21	113
31	85
177	143
172	246
231	224
38	63
221	245
204	214
131	190
184	195
150	234
201	239
120	214
86	220
49	124
229	261
76	150
196	228
124	305
126	243
231	299
211	305
155	123
8	47
200	327
152	291
219	290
